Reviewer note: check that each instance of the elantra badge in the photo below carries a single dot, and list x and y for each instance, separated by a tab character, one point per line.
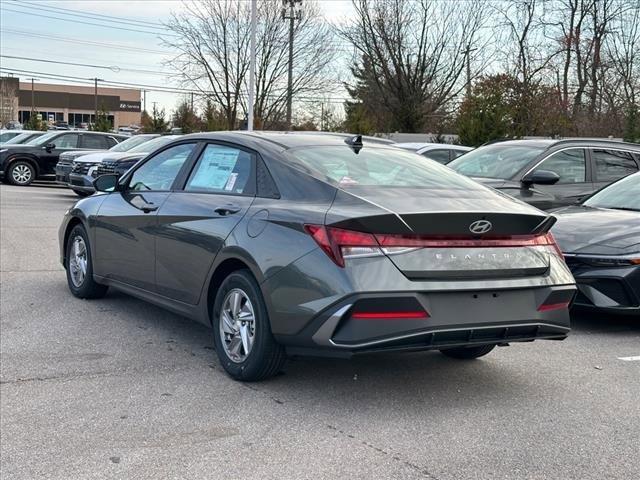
480	226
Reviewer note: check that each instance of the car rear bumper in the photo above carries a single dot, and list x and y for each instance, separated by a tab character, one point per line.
328	319
454	319
83	183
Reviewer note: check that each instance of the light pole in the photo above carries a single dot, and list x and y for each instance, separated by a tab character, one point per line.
252	66
289	12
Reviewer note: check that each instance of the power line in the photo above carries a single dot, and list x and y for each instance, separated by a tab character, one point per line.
94	16
85	23
116	46
153	88
113	68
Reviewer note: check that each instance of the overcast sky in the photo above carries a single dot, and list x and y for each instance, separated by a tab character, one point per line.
39	28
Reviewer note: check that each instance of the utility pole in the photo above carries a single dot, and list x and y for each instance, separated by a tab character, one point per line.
191	102
95	98
252	66
144	100
468	55
289	12
33	98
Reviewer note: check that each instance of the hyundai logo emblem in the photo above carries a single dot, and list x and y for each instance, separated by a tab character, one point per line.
480	226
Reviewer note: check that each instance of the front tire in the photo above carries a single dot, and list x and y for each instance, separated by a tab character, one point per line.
242	332
467	353
21	173
80	267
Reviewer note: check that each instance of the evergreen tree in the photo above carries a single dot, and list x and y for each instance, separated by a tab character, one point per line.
35	123
102	124
185	118
156	123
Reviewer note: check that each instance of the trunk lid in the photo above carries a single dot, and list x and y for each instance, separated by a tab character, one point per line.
449	234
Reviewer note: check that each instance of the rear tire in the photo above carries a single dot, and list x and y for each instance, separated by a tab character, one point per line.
247	325
21	173
467	353
80	267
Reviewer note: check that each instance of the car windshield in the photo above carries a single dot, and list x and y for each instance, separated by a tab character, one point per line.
43	139
130	143
495	161
622	195
151	145
380	166
22	137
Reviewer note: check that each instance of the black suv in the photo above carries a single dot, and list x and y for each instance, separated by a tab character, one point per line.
550	173
22	164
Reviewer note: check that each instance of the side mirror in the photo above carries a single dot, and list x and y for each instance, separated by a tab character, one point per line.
540	177
106	183
49	147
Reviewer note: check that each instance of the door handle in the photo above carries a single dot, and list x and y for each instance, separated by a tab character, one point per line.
227	210
148	207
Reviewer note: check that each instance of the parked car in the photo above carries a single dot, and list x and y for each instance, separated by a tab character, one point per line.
550	173
313	244
65	163
22	164
86	169
440	152
600	240
13	125
24	137
6	135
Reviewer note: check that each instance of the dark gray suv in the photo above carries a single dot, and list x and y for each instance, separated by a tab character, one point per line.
550	173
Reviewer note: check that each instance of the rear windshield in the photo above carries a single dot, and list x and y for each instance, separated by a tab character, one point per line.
23	137
623	195
388	167
130	143
151	145
495	161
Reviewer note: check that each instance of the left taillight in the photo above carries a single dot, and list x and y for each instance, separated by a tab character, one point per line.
339	244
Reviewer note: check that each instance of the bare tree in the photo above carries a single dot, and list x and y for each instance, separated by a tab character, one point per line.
411	56
212	41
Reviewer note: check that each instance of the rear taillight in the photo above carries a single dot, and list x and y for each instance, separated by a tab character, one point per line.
339	243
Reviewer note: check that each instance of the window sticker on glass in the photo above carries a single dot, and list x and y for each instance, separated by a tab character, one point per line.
216	169
231	182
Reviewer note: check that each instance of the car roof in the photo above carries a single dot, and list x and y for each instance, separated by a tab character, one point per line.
420	145
287	140
549	142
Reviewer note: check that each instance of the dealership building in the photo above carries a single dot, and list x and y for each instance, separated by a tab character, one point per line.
68	103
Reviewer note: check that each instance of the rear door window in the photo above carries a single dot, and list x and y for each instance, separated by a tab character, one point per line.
570	165
94	141
611	165
222	169
68	140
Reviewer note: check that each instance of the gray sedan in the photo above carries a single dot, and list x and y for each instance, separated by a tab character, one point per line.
295	244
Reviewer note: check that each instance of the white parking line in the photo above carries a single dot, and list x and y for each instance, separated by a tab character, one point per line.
630	359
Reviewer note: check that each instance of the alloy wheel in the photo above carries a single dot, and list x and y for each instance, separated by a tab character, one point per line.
21	173
78	261
237	325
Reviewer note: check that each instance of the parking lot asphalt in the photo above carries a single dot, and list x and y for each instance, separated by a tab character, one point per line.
117	388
